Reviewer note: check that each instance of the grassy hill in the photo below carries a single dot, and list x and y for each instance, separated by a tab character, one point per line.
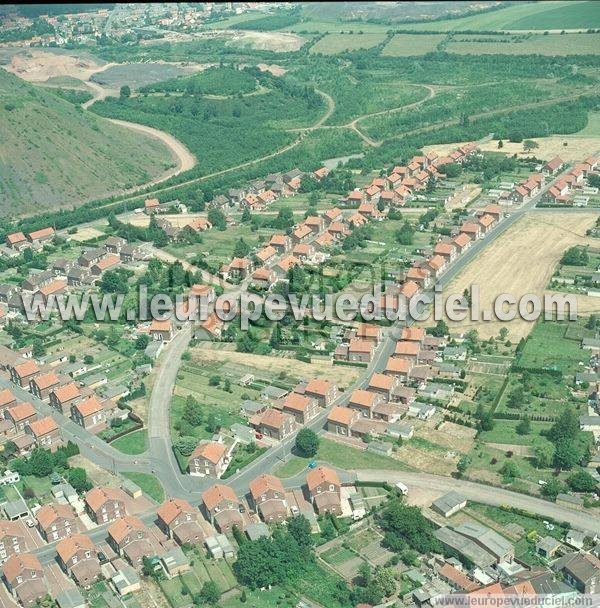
54	154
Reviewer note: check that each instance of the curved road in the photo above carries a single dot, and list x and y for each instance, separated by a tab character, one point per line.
185	159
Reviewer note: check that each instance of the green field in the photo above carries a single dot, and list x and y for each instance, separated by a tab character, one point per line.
148	483
552	44
504	431
405	45
338	43
523	16
548	347
592	129
340	455
354	99
132	443
219	244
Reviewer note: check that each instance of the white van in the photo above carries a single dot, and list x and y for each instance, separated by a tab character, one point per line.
402	488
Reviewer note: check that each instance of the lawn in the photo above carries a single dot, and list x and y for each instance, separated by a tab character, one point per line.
195	380
243	455
133	443
505	517
343	456
338	43
319	585
40	485
547	347
148	483
406	45
504	431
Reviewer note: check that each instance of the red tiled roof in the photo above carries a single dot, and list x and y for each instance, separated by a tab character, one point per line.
321	475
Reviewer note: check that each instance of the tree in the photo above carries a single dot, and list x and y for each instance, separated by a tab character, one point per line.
463	464
566	427
384	579
307	443
405	234
552	488
582	481
510	471
299	528
575	256
113	281
209	594
440	330
543	455
500	144
125	91
212	423
142	342
246	215
241	249
214	380
529	145
401	522
186	445
524	426
192	411
77	477
38	349
566	455
217	218
40	462
275	339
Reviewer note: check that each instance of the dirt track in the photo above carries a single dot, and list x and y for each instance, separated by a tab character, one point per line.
185	159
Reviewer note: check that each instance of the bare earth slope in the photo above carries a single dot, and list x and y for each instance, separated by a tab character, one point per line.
54	154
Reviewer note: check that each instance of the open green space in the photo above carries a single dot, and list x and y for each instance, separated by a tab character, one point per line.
340	455
337	555
505	431
531	44
148	483
244	128
548	347
522	16
132	443
407	45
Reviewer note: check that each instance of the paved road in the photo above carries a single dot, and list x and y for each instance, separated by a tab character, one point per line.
164	463
488	495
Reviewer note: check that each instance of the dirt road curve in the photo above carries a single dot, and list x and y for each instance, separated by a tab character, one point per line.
185	159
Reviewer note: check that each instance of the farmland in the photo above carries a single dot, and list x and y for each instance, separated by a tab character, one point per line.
538	16
407	45
534	246
531	44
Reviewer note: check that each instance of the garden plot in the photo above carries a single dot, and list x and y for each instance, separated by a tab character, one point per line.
269	367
